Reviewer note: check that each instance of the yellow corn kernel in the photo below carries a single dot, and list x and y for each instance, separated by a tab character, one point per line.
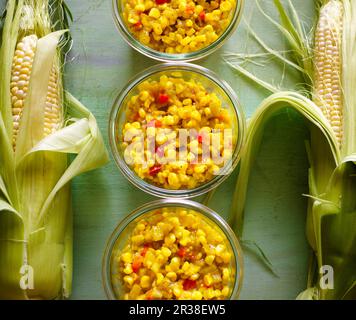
185	266
177	292
209	259
140	7
208	280
166	252
171	276
173	180
196	295
138	239
128	268
159	278
225	291
170	239
157	28
126	257
155	267
145	282
200	38
209	294
154	13
225	6
226	275
219	249
175	263
135	291
156	294
195	276
168	120
226	256
196	115
129	280
161	138
185	41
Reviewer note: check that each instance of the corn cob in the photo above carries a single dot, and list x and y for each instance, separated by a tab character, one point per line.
328	65
21	73
36	229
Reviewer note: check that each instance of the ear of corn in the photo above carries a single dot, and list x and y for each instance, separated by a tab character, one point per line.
20	80
328	62
331	217
35	138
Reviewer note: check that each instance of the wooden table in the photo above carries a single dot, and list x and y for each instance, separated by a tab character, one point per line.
101	64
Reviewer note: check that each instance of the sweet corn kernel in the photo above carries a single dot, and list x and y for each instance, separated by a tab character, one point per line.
145	282
209	259
154	13
166	252
196	295
126	257
128	269
129	280
171	276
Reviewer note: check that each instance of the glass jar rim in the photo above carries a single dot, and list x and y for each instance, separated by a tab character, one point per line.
163	203
183	57
183	193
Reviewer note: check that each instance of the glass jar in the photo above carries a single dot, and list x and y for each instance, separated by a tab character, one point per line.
236	15
212	83
118	240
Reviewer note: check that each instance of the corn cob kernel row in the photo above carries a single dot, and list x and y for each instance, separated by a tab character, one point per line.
21	73
329	65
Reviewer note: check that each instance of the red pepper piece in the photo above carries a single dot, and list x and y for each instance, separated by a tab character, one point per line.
154	170
138	25
200	138
202	15
189	284
145	249
163	98
136	264
181	252
161	1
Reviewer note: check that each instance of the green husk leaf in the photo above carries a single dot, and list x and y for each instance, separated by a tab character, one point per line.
259	252
267	109
11	241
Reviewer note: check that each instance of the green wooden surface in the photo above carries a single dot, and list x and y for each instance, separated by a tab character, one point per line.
101	65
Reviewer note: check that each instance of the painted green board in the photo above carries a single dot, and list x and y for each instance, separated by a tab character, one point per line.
101	63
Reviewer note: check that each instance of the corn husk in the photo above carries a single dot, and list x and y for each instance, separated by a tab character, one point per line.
35	198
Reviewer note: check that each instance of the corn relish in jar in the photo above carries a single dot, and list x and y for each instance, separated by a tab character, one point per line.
176	253
164	110
178	26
